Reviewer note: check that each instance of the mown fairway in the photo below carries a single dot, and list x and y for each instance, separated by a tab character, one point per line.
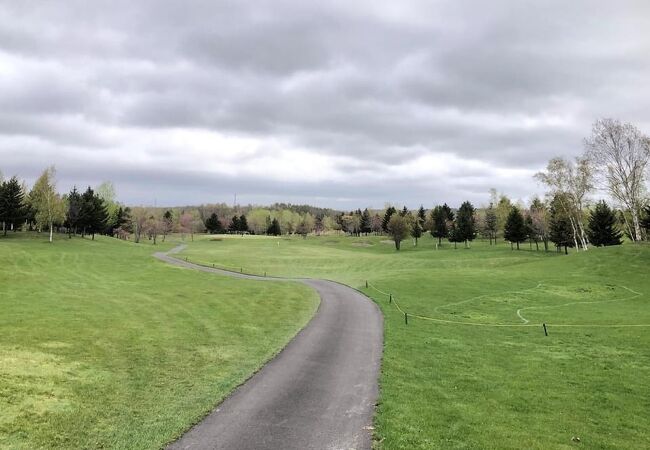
101	346
473	376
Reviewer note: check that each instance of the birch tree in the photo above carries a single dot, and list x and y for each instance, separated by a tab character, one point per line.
570	182
620	152
47	203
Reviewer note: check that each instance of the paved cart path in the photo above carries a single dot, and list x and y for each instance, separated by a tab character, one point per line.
318	393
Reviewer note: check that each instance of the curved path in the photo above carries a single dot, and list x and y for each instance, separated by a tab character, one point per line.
318	393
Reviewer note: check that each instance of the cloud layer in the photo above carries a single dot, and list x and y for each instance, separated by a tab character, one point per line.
342	104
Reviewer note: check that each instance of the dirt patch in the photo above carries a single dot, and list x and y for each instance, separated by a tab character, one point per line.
361	244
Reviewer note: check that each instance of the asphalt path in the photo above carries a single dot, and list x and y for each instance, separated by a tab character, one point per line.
318	393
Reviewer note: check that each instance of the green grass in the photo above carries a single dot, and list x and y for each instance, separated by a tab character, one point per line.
101	346
460	381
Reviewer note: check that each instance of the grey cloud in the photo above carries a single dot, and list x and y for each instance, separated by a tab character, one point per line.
509	84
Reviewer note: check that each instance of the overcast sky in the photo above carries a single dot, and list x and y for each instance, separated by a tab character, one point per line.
342	104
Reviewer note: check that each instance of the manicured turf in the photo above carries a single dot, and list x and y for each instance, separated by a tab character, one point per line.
462	379
101	346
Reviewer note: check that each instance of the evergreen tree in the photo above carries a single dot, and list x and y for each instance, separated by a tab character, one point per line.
389	212
491	223
73	214
645	220
243	224
561	232
416	230
530	232
465	223
404	211
93	216
213	224
441	218
453	234
422	217
12	204
274	228
603	229
514	229
2	213
365	225
234	225
123	218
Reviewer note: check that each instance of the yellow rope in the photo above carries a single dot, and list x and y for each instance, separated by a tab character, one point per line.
507	325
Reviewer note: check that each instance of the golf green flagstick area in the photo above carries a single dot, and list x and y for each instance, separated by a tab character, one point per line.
102	346
475	369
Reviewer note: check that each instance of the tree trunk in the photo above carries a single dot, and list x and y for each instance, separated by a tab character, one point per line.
397	244
566	250
637	226
517	245
51	226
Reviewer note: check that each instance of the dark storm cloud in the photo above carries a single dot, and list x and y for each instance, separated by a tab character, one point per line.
492	88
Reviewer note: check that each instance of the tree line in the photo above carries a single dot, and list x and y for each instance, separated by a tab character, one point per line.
615	159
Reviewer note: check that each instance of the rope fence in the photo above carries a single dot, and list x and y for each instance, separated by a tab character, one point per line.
392	299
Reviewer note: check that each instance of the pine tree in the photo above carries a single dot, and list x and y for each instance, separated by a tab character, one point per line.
213	224
404	212
561	232
2	208
530	232
441	216
514	229
491	223
274	228
465	223
365	225
93	216
12	204
234	225
73	214
389	212
243	224
422	217
453	234
603	229
416	230
645	221
123	219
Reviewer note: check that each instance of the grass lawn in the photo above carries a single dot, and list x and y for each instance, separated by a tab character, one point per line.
101	346
473	376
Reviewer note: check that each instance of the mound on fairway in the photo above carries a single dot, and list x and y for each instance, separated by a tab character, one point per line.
104	347
483	376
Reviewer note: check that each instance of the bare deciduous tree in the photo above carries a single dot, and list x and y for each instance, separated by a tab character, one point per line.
620	153
138	221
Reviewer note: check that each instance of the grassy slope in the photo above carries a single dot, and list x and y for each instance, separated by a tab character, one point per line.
446	385
101	346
